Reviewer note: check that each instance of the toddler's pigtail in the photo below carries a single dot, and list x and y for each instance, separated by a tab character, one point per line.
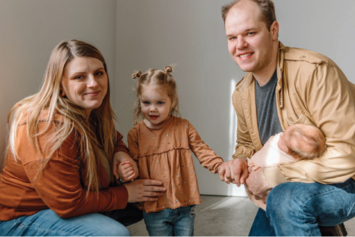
136	74
168	70
137	110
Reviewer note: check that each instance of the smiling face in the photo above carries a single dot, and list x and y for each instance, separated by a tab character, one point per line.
251	45
85	82
156	105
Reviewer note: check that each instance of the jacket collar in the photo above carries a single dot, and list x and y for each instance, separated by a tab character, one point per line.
279	71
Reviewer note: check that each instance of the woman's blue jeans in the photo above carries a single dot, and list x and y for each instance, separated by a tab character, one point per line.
298	209
48	223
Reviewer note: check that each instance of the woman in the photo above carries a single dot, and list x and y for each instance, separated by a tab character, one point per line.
63	152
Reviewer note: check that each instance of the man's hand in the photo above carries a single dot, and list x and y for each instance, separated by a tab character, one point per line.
234	171
123	158
257	184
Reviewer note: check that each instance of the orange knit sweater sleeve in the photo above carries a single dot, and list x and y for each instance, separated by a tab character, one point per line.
60	184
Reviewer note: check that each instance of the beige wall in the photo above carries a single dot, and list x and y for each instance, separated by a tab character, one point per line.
31	29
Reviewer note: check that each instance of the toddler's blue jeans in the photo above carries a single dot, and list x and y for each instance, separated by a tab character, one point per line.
297	209
171	222
48	223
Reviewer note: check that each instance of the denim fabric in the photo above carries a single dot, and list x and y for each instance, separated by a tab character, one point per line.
299	208
48	223
261	225
127	216
171	222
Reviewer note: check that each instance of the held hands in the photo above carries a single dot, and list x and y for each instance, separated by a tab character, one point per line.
126	171
237	172
124	167
234	171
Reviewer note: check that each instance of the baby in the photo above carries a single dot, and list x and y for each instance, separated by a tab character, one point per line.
298	142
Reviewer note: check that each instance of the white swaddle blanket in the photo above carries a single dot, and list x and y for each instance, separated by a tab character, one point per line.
270	155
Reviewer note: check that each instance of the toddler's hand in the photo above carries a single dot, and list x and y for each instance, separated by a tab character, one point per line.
234	171
118	159
127	171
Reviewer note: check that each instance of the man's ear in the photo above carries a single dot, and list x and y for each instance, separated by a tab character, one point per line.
274	30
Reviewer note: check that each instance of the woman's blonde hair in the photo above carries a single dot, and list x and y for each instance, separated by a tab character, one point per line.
97	131
160	78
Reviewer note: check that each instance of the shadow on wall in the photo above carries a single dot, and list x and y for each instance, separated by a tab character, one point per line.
3	140
2	161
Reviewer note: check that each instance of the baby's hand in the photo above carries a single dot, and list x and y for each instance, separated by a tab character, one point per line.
127	171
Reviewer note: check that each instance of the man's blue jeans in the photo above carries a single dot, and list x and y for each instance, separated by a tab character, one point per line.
299	208
48	223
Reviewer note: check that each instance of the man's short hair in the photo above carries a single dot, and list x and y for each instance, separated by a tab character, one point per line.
267	8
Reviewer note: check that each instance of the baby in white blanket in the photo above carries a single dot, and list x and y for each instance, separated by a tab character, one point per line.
298	142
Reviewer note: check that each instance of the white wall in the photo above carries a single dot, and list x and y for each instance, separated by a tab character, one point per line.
31	29
155	33
325	26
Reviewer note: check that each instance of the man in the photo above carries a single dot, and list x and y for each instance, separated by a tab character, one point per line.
285	86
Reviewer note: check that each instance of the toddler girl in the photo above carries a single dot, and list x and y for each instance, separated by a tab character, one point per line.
161	144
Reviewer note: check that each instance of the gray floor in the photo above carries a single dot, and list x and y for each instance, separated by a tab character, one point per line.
224	216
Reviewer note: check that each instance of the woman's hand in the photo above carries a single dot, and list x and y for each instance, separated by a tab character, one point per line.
122	157
142	190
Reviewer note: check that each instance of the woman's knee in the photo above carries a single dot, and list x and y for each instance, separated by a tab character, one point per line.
115	230
100	225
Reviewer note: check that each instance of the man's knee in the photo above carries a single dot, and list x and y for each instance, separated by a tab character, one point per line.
283	200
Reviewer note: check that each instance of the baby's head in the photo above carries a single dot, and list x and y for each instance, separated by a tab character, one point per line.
302	141
156	96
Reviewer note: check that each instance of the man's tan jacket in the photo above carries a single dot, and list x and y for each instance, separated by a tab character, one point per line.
311	89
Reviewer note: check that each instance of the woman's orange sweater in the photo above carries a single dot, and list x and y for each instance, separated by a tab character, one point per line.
61	184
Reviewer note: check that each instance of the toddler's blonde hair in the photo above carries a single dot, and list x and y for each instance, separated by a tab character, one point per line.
159	78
